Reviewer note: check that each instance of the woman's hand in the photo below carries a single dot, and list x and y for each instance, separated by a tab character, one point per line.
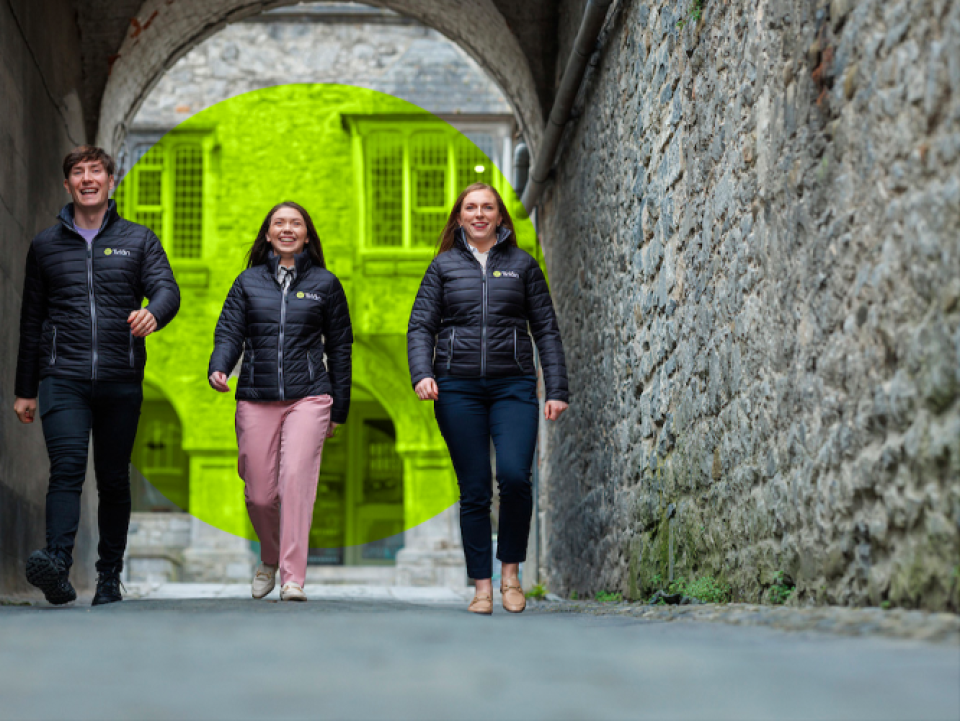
331	429
553	409
427	390
218	381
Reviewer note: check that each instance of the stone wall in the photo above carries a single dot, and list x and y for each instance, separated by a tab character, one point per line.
41	120
401	59
754	246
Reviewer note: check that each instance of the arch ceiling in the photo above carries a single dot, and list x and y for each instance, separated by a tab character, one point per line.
129	44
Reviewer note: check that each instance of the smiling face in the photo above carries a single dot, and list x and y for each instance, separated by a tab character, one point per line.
287	233
89	185
480	216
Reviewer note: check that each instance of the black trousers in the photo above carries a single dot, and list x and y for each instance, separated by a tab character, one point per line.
69	411
471	412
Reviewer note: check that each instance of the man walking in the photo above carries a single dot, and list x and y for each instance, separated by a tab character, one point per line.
82	353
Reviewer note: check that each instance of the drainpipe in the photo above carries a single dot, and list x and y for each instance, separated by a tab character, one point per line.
593	17
521	167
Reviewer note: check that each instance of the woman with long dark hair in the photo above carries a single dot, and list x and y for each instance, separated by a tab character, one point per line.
283	313
470	351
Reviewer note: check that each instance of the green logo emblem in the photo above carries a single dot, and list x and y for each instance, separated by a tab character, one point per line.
108	251
496	274
300	294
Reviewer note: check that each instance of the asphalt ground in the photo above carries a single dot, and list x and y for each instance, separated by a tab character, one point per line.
233	658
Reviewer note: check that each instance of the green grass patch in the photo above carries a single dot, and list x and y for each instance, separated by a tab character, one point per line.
693	15
607	597
781	590
539	592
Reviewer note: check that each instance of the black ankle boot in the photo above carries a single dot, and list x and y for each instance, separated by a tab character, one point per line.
47	571
108	588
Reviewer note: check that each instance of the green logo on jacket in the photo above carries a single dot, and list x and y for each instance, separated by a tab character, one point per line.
108	251
300	294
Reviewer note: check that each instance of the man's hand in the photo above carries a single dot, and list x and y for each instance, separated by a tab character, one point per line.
25	408
553	409
331	429
142	323
427	390
218	381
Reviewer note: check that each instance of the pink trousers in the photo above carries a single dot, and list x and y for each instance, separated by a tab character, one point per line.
281	443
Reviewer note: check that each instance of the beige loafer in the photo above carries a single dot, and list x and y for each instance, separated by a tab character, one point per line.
264	580
482	605
513	599
292	592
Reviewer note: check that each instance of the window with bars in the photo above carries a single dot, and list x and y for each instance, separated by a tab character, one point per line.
413	175
187	202
164	191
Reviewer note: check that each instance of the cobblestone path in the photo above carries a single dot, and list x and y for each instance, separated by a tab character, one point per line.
424	657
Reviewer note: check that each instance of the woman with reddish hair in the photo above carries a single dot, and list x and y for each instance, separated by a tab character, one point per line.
470	351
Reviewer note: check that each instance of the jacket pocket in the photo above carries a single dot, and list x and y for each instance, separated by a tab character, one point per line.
453	334
310	365
133	362
516	350
53	347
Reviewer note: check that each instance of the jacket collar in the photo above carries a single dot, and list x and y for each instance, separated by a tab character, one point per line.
461	238
68	219
301	261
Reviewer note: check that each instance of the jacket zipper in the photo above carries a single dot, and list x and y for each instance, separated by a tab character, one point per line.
283	321
93	309
453	333
53	351
516	351
310	366
132	362
483	330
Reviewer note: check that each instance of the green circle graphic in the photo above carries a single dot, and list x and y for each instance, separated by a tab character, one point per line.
108	251
343	153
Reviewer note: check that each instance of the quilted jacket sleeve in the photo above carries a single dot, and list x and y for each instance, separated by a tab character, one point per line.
424	325
230	332
546	333
33	311
338	333
158	282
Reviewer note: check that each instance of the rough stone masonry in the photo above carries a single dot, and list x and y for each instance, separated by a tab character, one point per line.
754	245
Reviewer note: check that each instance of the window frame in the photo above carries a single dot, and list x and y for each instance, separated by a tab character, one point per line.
171	141
501	127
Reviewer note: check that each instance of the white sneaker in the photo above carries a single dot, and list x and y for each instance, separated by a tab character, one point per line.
292	592
265	580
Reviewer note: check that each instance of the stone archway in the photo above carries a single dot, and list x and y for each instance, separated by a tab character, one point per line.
167	30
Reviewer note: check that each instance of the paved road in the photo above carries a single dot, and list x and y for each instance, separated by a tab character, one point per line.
380	657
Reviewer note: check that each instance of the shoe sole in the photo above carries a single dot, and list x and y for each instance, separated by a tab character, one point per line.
265	593
104	603
42	573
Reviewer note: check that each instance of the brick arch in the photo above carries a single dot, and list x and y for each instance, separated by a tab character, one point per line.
166	30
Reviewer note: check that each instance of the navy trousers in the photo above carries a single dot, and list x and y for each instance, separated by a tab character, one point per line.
69	411
471	412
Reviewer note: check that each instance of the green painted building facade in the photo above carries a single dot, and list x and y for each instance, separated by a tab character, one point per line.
378	176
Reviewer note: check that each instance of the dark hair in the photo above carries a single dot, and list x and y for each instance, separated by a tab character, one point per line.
260	250
85	154
447	235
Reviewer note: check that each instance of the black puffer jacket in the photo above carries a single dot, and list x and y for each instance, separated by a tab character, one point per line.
284	335
76	300
467	322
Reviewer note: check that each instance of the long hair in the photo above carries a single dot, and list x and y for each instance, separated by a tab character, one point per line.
447	235
260	250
